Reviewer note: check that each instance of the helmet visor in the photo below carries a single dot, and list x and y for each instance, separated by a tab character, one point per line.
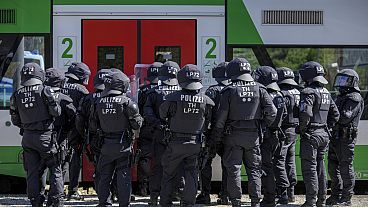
344	81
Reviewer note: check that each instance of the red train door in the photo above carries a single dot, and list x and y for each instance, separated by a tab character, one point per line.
123	43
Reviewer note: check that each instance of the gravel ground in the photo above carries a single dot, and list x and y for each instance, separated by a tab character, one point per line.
91	200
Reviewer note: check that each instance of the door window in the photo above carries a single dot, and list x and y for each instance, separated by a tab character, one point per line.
110	57
167	53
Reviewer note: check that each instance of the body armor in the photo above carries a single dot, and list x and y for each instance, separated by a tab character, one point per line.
292	111
279	102
246	95
190	112
75	91
31	104
111	114
322	105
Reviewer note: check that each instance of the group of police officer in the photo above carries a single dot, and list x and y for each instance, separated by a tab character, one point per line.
249	117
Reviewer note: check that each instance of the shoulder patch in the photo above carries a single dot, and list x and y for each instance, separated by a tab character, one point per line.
355	97
307	91
66	98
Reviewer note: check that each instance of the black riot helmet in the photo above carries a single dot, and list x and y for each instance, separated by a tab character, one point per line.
152	73
219	73
347	78
54	78
98	80
312	72
116	83
79	72
239	69
190	77
286	76
32	74
267	76
168	73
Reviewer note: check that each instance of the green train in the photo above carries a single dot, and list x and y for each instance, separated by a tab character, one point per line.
123	33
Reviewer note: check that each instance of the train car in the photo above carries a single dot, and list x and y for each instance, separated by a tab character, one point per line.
122	33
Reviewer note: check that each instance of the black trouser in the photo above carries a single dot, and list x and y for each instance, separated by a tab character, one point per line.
206	173
40	151
157	171
268	149
75	166
176	157
340	166
249	153
312	151
111	161
284	163
145	144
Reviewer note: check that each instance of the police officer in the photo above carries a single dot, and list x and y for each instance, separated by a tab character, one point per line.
145	138
241	129
341	149
82	120
63	124
218	73
188	113
273	138
117	117
318	113
32	108
284	161
78	75
168	83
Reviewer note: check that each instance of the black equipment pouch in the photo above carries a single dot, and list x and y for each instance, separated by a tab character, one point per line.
228	130
203	156
167	134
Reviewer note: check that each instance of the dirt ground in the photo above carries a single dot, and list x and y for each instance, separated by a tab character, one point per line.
91	200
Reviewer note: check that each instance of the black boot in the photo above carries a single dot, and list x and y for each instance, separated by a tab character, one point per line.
236	203
308	204
153	202
223	200
332	200
345	201
291	196
203	199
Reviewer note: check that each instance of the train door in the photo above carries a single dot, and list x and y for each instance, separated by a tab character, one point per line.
123	43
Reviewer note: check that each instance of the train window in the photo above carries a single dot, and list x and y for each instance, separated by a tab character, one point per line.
166	53
333	59
27	49
110	57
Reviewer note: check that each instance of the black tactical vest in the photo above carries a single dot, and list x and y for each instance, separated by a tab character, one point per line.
142	95
321	106
75	91
292	109
190	112
161	93
214	92
279	102
63	100
31	104
245	101
111	114
342	105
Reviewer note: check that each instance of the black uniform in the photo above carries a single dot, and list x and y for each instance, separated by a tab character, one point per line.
216	148
155	97
241	129
76	92
32	109
63	124
285	156
284	159
272	145
318	112
341	149
116	116
145	143
188	113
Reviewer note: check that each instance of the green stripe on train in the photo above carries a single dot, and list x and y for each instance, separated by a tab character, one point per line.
139	2
11	162
360	163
